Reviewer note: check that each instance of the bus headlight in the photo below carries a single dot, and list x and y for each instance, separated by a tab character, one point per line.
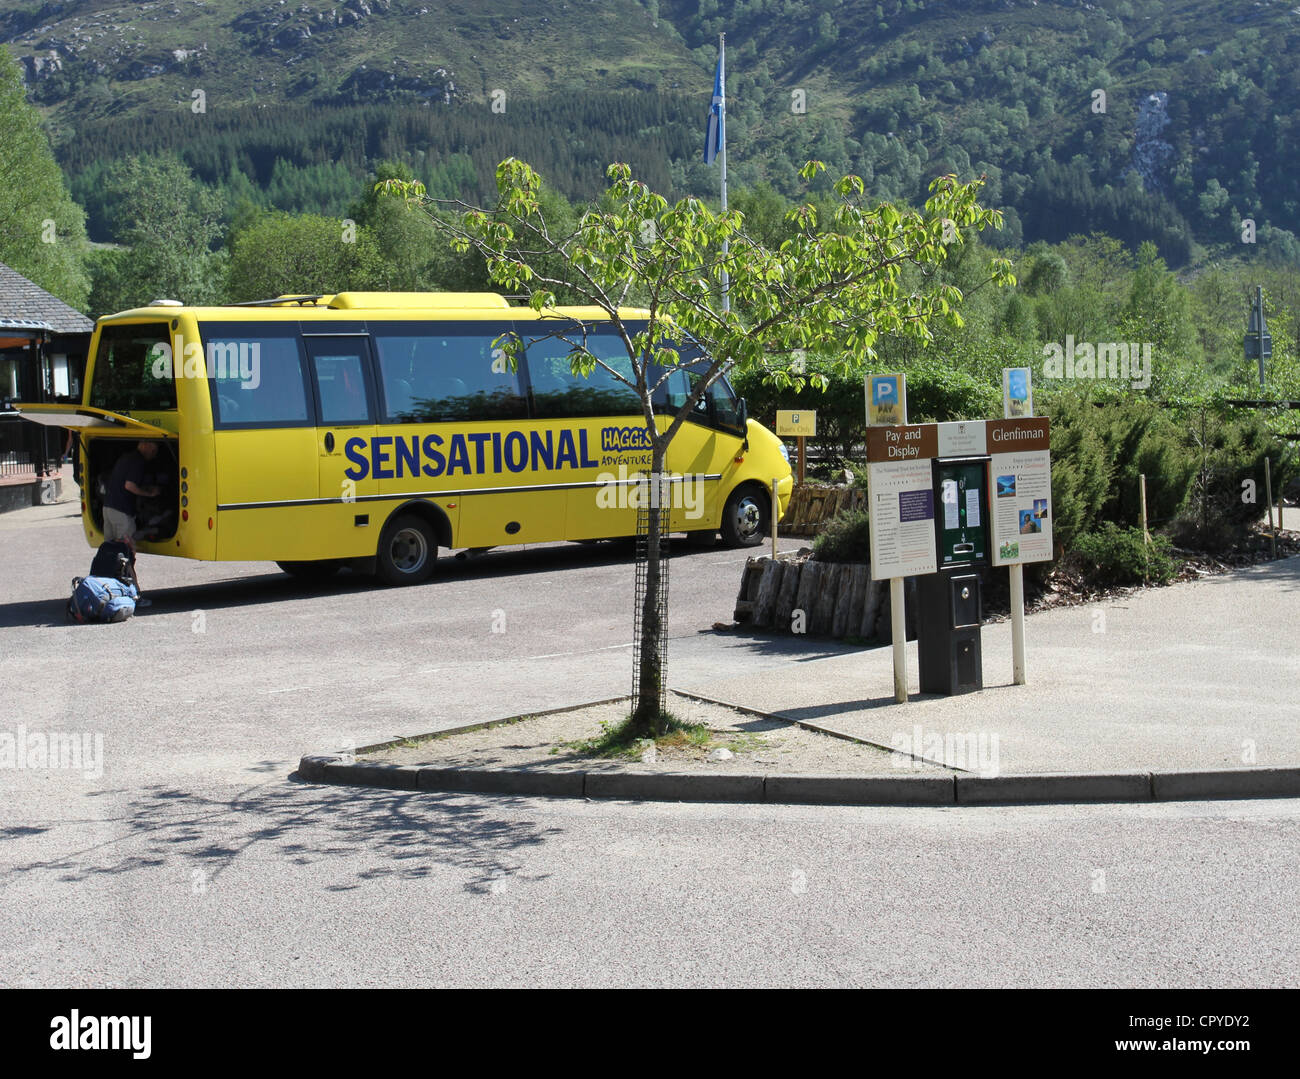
784	452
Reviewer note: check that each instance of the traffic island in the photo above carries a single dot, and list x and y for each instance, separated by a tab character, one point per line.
733	755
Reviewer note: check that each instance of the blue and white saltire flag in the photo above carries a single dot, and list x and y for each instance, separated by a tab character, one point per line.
716	137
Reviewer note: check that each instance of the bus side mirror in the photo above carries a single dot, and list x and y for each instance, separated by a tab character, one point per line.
743	413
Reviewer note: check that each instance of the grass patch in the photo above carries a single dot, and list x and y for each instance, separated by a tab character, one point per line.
747	742
699	736
623	740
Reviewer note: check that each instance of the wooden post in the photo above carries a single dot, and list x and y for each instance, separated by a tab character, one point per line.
1017	573
801	459
898	626
1268	494
1142	495
776	512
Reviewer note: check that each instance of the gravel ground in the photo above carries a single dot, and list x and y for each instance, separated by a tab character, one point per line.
757	745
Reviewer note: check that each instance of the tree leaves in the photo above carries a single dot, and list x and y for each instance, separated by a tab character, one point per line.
833	285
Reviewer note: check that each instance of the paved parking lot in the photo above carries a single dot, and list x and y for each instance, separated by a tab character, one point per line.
194	861
237	666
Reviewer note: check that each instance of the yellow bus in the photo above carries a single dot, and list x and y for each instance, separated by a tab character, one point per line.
373	429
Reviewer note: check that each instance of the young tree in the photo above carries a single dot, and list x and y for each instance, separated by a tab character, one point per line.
835	285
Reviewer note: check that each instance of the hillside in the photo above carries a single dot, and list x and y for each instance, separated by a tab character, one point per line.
96	58
1198	127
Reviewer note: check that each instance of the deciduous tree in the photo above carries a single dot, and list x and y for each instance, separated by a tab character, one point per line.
835	285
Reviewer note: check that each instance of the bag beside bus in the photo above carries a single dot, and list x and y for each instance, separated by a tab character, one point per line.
101	599
114	559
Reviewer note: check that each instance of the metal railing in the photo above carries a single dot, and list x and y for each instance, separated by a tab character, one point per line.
26	449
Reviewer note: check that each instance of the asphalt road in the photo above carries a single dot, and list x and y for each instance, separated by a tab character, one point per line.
192	883
194	860
237	664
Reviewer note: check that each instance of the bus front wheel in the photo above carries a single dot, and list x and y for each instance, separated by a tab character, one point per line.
747	517
407	551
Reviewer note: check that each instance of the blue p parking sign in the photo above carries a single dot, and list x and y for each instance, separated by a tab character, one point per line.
886	400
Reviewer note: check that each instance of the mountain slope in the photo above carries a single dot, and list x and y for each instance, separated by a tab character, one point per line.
1170	121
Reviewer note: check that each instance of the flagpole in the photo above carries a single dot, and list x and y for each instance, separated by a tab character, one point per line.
722	154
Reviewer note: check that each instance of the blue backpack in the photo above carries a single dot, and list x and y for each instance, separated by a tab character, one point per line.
101	599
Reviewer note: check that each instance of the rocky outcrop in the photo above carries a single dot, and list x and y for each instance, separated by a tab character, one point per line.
283	28
368	83
1151	153
36	68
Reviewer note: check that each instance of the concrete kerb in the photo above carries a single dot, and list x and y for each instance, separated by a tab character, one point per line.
820	728
1051	788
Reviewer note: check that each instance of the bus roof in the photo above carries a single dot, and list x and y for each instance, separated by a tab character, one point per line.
442	305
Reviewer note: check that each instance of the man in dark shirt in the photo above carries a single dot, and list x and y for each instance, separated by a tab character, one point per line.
125	485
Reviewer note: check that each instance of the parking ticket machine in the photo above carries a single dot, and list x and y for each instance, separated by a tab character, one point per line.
949	604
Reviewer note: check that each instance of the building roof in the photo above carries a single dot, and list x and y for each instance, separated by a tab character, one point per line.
26	300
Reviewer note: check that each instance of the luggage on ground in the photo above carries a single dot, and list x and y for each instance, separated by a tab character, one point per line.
101	599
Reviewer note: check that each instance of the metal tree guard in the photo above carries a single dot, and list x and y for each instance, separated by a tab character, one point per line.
650	606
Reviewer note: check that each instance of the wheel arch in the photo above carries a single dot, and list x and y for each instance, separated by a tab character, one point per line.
757	486
430	512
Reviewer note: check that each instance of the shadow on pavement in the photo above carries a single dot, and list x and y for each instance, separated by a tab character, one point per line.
798	647
276	587
396	834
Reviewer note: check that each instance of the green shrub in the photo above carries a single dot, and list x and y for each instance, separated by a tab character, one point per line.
1228	450
1102	443
844	539
940	392
841	408
1118	556
1143	439
1081	469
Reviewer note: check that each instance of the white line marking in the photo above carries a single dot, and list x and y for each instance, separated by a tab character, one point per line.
580	652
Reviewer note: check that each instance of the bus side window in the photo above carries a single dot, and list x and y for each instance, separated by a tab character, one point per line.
725	408
719	406
701	411
431	373
342	384
672	394
558	392
256	377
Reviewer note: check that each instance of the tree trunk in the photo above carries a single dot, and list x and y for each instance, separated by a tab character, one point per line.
646	716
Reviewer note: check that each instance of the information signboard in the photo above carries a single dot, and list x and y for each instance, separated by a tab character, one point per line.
900	500
1021	495
1017	394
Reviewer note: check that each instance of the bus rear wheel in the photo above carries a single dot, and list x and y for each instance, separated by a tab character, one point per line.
407	551
747	517
311	571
